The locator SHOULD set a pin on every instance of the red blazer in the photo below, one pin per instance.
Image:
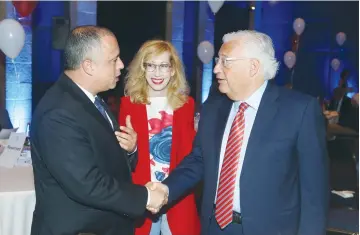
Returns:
(182, 217)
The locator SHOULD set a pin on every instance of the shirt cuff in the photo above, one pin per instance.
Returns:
(148, 197)
(133, 151)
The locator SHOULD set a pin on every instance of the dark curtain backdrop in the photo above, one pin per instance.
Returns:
(133, 23)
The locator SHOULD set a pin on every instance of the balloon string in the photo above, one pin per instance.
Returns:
(16, 73)
(293, 69)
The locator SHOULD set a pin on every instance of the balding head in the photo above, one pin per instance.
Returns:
(83, 43)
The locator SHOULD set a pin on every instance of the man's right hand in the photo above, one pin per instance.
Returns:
(158, 194)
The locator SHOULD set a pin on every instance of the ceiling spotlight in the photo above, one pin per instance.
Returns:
(253, 8)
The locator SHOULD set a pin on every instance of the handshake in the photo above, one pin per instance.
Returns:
(158, 196)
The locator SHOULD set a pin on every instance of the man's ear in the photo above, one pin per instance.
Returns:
(254, 67)
(87, 66)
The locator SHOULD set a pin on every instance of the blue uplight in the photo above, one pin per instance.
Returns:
(19, 76)
(208, 68)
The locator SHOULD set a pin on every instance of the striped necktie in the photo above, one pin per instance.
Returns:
(229, 168)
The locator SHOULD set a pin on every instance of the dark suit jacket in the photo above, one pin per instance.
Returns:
(348, 114)
(5, 122)
(284, 179)
(82, 176)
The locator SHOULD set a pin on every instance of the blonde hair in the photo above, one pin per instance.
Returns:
(136, 86)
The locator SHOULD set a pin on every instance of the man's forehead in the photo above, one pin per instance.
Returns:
(230, 47)
(111, 46)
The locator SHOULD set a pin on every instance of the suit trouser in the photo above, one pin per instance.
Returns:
(231, 229)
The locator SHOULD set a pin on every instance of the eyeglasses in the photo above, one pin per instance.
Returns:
(226, 61)
(163, 68)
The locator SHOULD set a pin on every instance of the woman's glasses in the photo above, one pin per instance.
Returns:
(163, 68)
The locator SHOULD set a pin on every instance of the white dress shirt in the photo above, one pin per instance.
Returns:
(250, 113)
(92, 98)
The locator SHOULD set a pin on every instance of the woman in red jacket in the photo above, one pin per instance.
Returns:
(162, 114)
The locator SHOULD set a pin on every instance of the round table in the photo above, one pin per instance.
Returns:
(17, 200)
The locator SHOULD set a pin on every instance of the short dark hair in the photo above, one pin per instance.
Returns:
(81, 41)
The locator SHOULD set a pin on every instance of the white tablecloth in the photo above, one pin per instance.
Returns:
(17, 200)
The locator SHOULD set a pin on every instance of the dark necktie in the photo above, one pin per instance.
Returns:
(100, 105)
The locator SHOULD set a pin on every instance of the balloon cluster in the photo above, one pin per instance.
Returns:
(12, 33)
(340, 39)
(290, 56)
(205, 50)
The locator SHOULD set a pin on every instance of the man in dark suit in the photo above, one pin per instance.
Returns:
(348, 113)
(260, 150)
(81, 170)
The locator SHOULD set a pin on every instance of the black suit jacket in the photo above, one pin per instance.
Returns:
(348, 114)
(82, 176)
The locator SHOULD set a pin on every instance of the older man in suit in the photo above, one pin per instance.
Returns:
(260, 150)
(82, 171)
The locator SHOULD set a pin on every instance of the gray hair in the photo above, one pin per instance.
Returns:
(81, 44)
(259, 46)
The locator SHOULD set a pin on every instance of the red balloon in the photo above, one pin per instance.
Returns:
(24, 8)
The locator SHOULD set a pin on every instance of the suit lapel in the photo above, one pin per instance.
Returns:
(221, 120)
(264, 118)
(111, 116)
(79, 95)
(223, 110)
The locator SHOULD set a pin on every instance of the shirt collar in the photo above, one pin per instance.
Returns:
(87, 93)
(254, 100)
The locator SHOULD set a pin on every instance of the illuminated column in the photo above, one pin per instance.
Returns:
(175, 24)
(206, 33)
(18, 76)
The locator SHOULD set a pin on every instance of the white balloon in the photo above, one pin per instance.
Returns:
(272, 2)
(205, 51)
(290, 59)
(215, 5)
(299, 26)
(340, 38)
(12, 37)
(335, 64)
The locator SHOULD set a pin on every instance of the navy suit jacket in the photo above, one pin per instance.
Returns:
(284, 187)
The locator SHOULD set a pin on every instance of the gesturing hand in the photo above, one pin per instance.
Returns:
(127, 137)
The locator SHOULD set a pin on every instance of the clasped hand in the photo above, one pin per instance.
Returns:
(158, 196)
